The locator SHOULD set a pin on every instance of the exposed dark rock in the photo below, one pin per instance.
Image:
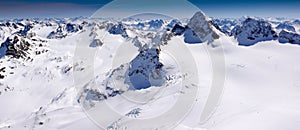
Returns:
(96, 43)
(252, 31)
(145, 69)
(118, 29)
(178, 29)
(199, 29)
(289, 37)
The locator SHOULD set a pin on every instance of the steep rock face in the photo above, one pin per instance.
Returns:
(178, 29)
(3, 48)
(15, 46)
(203, 28)
(289, 37)
(16, 38)
(73, 27)
(191, 37)
(118, 29)
(19, 46)
(145, 69)
(198, 30)
(252, 31)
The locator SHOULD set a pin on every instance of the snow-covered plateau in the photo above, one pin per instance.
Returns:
(54, 73)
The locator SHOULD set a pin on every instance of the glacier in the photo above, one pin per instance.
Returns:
(37, 69)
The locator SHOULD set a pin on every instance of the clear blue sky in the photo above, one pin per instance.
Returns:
(213, 8)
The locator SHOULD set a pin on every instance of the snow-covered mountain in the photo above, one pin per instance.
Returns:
(249, 31)
(39, 60)
(252, 31)
(225, 25)
(289, 37)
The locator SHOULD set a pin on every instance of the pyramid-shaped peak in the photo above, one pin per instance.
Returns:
(199, 14)
(202, 26)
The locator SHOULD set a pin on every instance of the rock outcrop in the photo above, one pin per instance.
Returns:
(198, 30)
(289, 37)
(252, 31)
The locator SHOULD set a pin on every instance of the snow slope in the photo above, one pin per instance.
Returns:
(261, 89)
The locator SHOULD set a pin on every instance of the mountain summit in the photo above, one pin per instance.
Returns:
(202, 26)
(199, 29)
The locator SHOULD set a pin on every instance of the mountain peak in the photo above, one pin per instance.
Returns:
(202, 26)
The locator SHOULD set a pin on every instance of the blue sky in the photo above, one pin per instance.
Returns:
(213, 8)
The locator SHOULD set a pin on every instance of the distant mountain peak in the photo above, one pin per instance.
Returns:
(202, 26)
(198, 30)
(254, 30)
